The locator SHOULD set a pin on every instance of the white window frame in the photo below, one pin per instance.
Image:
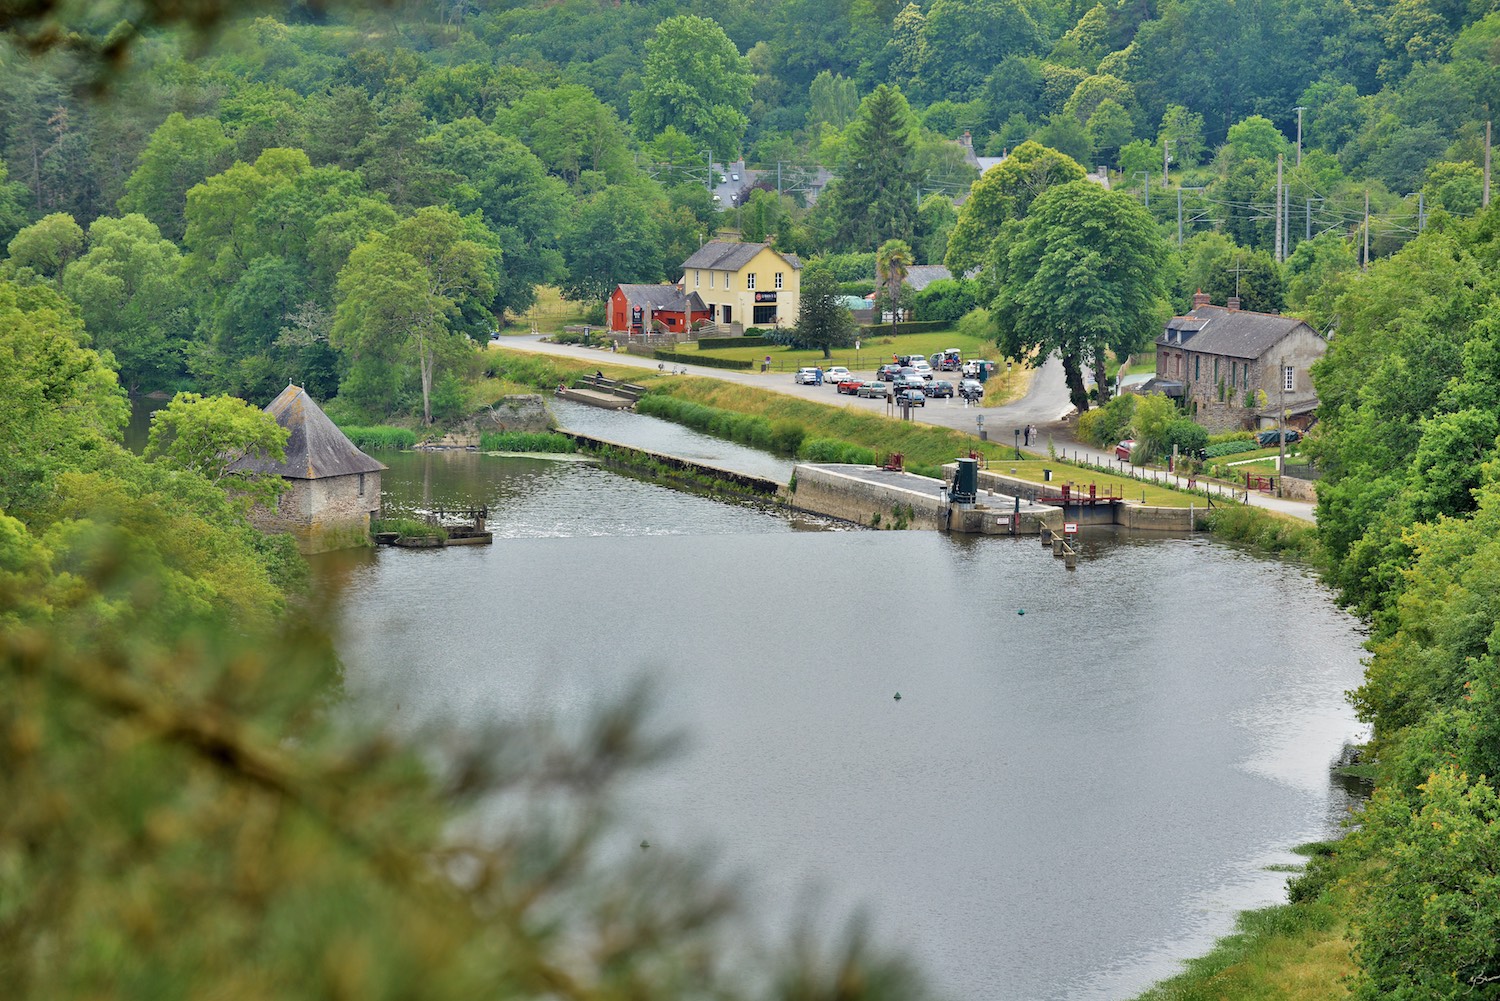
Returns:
(727, 276)
(697, 277)
(1288, 378)
(710, 279)
(750, 281)
(778, 279)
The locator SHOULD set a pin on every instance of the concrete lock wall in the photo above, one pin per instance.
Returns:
(839, 495)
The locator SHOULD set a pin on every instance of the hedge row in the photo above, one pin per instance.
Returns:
(702, 359)
(522, 441)
(754, 430)
(1224, 448)
(907, 327)
(747, 341)
(372, 439)
(833, 450)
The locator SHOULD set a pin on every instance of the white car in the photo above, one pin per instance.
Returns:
(837, 374)
(806, 377)
(923, 368)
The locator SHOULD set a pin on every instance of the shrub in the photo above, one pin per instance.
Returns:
(521, 441)
(786, 436)
(371, 439)
(976, 323)
(1233, 447)
(947, 300)
(833, 450)
(409, 528)
(702, 359)
(1108, 424)
(1187, 435)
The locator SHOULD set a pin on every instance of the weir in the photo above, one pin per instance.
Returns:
(743, 482)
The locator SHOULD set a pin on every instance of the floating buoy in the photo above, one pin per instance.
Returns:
(1020, 611)
(898, 696)
(645, 845)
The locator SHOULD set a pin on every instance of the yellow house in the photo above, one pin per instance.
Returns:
(748, 284)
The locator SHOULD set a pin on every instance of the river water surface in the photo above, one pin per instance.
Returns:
(1063, 804)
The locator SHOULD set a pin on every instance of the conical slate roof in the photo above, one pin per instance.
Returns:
(316, 448)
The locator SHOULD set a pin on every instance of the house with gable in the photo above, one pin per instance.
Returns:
(1235, 369)
(333, 488)
(745, 284)
(633, 309)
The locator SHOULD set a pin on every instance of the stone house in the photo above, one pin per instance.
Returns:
(333, 489)
(748, 284)
(633, 309)
(1235, 369)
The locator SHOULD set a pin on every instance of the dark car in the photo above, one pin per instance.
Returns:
(903, 382)
(939, 389)
(1266, 439)
(887, 373)
(911, 398)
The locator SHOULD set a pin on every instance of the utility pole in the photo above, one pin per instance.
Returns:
(1166, 161)
(1486, 164)
(1421, 211)
(1281, 428)
(1146, 185)
(1279, 158)
(709, 156)
(1365, 266)
(1299, 109)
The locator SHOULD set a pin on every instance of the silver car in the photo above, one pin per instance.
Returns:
(870, 390)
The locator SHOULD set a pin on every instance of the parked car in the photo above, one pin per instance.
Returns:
(915, 382)
(1125, 448)
(922, 368)
(971, 389)
(734, 176)
(850, 386)
(911, 398)
(807, 377)
(1268, 438)
(870, 390)
(886, 373)
(939, 388)
(837, 374)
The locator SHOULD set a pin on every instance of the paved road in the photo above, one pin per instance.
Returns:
(1046, 404)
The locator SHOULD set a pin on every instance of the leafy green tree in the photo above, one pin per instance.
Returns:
(132, 299)
(874, 197)
(936, 218)
(571, 131)
(401, 297)
(1427, 918)
(1086, 42)
(963, 38)
(760, 216)
(695, 79)
(1108, 128)
(1014, 87)
(526, 210)
(1085, 275)
(823, 321)
(1182, 131)
(947, 300)
(1094, 91)
(62, 402)
(1454, 187)
(677, 159)
(182, 153)
(614, 238)
(834, 100)
(46, 246)
(1005, 192)
(1066, 134)
(1254, 138)
(1318, 272)
(13, 198)
(1253, 276)
(211, 435)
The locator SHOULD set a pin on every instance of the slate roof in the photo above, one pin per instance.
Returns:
(667, 298)
(1232, 333)
(721, 255)
(316, 448)
(919, 276)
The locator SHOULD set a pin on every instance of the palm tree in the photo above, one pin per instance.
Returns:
(891, 263)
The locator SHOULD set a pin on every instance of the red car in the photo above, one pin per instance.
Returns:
(850, 386)
(1125, 448)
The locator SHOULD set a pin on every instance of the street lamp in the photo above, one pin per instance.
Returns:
(1018, 441)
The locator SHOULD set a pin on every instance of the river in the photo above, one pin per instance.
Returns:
(1062, 805)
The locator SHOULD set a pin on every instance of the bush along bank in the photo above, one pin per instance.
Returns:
(521, 441)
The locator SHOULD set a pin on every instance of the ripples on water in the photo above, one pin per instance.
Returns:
(1063, 804)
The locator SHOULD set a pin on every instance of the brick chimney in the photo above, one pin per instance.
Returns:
(967, 139)
(1233, 303)
(1201, 298)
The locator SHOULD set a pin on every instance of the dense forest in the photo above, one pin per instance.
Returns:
(351, 198)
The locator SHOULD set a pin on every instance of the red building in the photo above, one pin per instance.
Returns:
(634, 308)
